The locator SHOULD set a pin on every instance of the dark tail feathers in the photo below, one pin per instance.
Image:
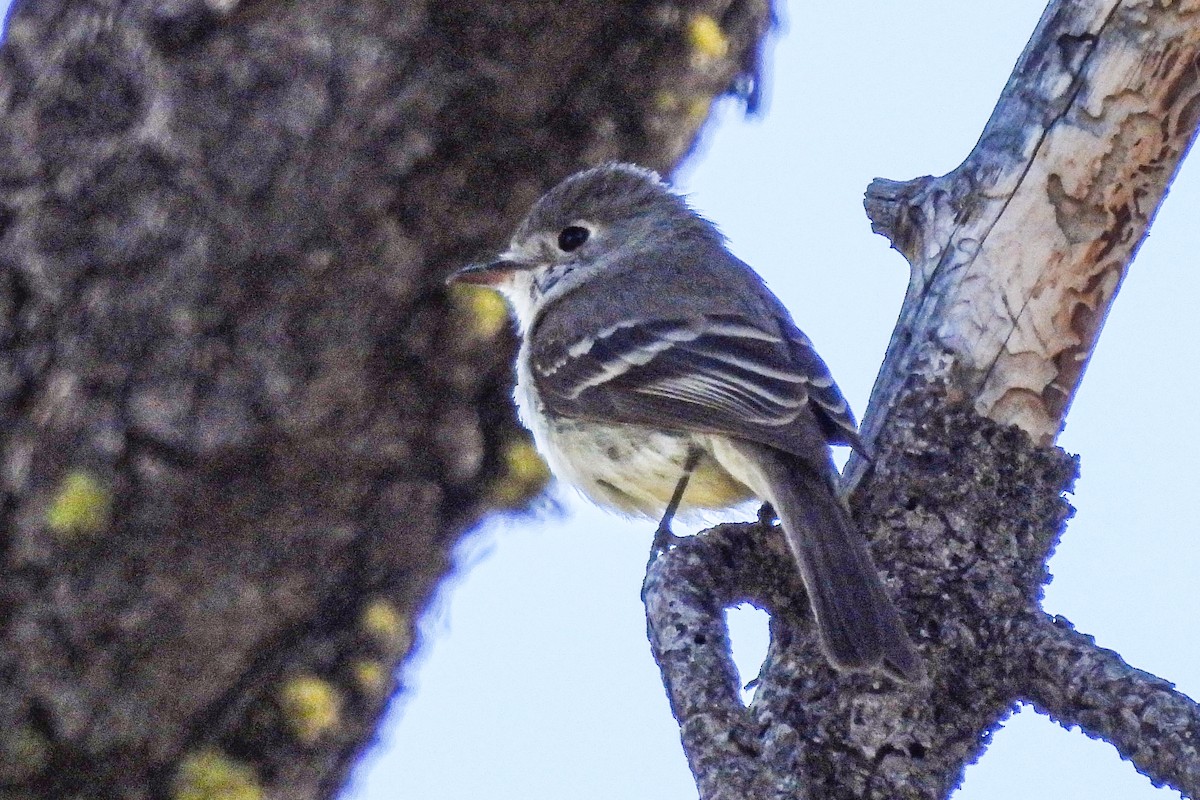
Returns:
(860, 628)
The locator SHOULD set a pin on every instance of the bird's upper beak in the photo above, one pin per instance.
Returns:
(486, 274)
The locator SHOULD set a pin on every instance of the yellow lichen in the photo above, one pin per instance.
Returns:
(80, 506)
(525, 475)
(482, 309)
(707, 40)
(210, 775)
(312, 707)
(698, 108)
(666, 101)
(371, 677)
(384, 623)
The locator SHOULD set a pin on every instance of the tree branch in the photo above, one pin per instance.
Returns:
(1016, 257)
(963, 513)
(1017, 254)
(1069, 678)
(685, 597)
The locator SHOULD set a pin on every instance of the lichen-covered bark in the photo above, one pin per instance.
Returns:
(1016, 256)
(1143, 716)
(964, 513)
(242, 421)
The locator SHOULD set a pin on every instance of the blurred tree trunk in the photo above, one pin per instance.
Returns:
(243, 423)
(1016, 257)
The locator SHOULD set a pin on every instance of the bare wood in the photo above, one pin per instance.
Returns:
(1017, 254)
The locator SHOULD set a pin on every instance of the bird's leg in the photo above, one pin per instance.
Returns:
(663, 538)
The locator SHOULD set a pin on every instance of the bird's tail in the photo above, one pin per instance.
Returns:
(860, 628)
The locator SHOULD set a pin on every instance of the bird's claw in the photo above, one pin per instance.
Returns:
(664, 540)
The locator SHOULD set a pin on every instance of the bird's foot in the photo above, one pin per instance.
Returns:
(664, 540)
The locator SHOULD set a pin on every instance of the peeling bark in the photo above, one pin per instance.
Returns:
(1018, 253)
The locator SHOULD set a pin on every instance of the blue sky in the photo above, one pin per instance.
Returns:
(535, 679)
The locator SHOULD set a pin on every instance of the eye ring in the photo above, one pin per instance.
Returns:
(572, 237)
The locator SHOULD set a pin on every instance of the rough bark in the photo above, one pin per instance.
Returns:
(1016, 257)
(242, 421)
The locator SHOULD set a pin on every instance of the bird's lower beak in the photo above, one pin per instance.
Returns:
(488, 274)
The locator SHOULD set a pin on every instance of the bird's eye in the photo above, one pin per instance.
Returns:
(571, 237)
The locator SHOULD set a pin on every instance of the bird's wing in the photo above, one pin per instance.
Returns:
(716, 373)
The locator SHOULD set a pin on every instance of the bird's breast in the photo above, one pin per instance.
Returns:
(628, 468)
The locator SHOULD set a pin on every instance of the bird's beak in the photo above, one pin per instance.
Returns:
(487, 274)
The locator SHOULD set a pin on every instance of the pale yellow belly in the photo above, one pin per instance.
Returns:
(635, 470)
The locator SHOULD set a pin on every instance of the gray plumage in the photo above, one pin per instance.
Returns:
(648, 338)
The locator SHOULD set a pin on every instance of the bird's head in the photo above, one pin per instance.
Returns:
(581, 227)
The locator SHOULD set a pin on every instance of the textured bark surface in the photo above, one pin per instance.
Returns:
(964, 513)
(243, 423)
(1016, 257)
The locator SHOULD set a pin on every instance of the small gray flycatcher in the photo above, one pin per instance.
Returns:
(657, 370)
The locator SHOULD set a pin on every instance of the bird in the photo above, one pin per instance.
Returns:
(657, 371)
